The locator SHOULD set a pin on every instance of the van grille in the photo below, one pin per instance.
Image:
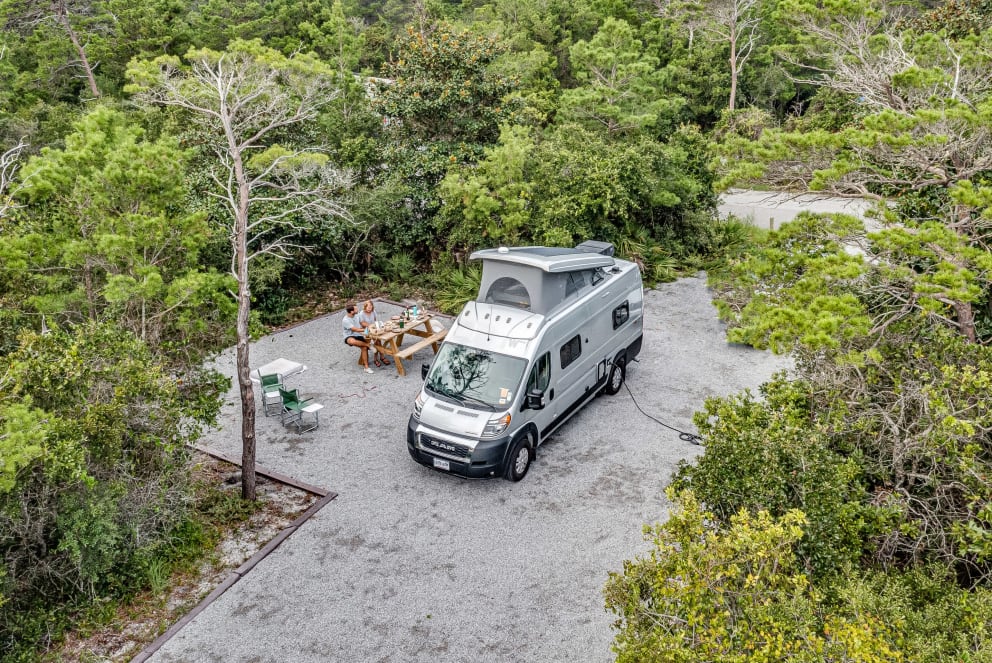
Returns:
(444, 447)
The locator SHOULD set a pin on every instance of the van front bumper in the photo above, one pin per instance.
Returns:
(433, 449)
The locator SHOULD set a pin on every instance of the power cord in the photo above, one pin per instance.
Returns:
(684, 436)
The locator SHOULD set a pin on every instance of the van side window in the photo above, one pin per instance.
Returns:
(621, 314)
(570, 351)
(574, 283)
(598, 275)
(540, 375)
(510, 292)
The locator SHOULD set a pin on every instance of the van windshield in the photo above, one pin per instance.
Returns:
(470, 376)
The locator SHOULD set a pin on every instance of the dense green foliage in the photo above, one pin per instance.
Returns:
(859, 486)
(460, 126)
(105, 235)
(734, 589)
(94, 477)
(735, 593)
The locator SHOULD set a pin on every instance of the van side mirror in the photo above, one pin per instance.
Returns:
(535, 400)
(423, 370)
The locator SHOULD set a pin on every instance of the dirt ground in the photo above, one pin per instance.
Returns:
(138, 623)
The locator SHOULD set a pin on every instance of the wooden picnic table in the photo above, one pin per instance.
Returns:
(389, 339)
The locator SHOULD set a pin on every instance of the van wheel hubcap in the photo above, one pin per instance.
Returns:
(520, 463)
(617, 377)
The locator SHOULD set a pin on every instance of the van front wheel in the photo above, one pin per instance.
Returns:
(521, 455)
(617, 374)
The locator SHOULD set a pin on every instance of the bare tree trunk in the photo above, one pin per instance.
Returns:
(422, 14)
(733, 71)
(63, 14)
(90, 290)
(244, 309)
(964, 311)
(244, 376)
(245, 386)
(966, 320)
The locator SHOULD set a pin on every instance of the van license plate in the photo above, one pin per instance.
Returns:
(442, 464)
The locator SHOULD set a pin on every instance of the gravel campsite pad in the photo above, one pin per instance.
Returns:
(409, 564)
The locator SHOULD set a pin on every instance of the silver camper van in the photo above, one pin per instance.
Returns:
(550, 329)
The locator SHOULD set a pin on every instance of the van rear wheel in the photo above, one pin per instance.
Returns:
(617, 375)
(520, 458)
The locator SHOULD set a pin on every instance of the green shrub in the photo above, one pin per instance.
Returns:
(399, 267)
(772, 455)
(656, 263)
(729, 239)
(457, 285)
(84, 519)
(274, 305)
(799, 288)
(734, 591)
(939, 621)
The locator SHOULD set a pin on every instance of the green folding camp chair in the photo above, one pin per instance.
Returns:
(292, 406)
(271, 384)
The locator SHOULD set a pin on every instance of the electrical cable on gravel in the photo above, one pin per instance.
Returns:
(684, 436)
(364, 394)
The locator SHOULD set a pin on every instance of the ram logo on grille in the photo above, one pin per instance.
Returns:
(442, 445)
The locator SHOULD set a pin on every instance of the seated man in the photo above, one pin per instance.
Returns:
(355, 335)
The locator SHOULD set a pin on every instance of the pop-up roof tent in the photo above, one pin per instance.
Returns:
(540, 279)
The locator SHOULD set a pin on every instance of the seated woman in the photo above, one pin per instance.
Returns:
(367, 318)
(354, 334)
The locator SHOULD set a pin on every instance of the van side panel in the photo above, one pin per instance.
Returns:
(601, 343)
(571, 344)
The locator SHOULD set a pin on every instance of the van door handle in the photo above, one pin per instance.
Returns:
(552, 394)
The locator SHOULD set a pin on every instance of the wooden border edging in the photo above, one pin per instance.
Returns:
(325, 497)
(269, 474)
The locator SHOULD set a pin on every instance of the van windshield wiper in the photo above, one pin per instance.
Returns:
(458, 397)
(444, 391)
(473, 399)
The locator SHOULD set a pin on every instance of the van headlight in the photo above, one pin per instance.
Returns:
(418, 406)
(496, 425)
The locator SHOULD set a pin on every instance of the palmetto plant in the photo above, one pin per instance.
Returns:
(637, 245)
(457, 286)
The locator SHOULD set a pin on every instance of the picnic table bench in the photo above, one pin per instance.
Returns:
(389, 339)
